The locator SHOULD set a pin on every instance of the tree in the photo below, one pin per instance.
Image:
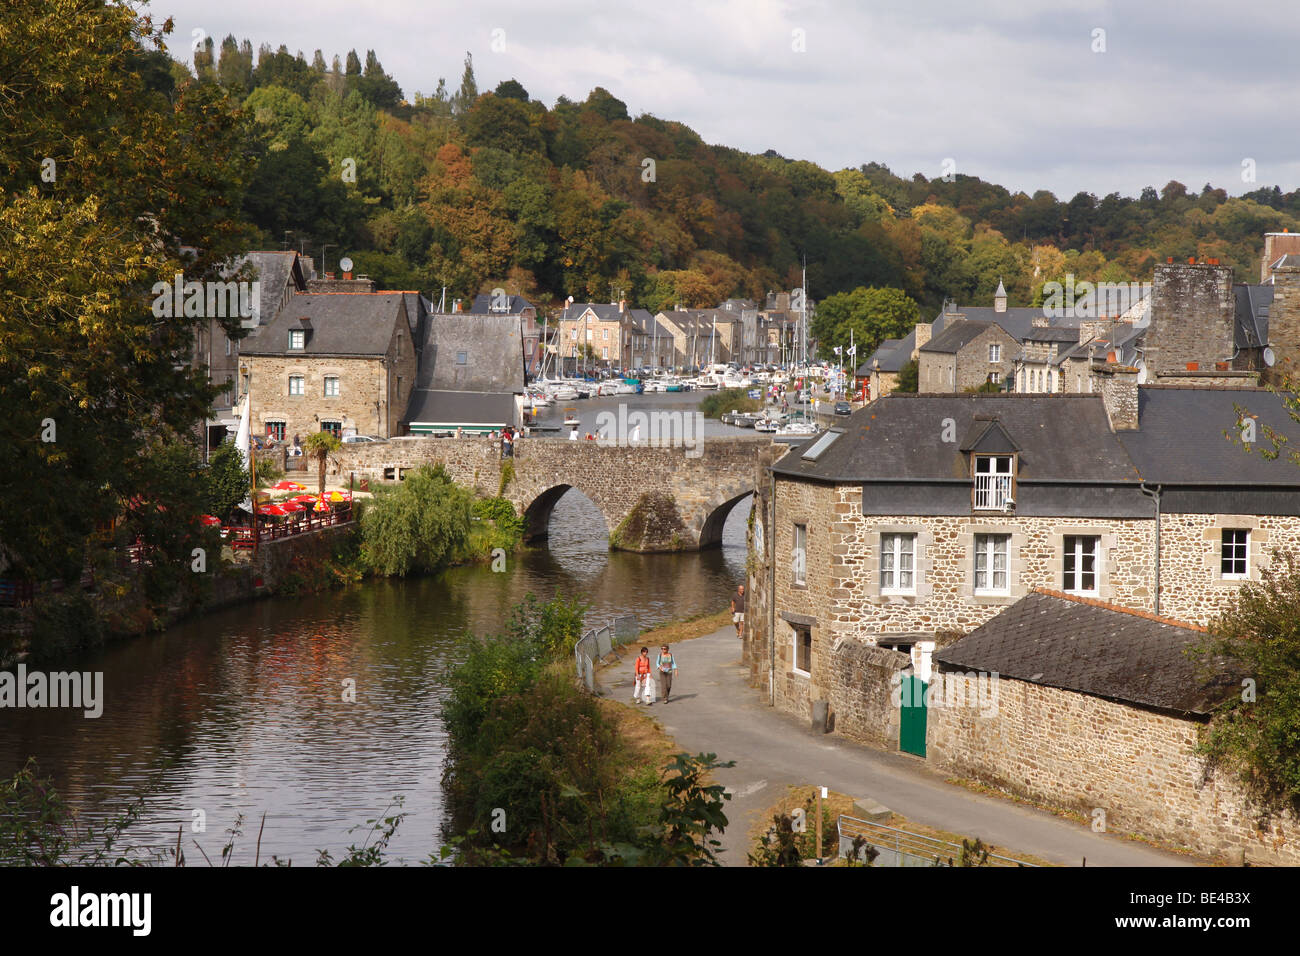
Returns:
(226, 480)
(511, 89)
(465, 96)
(320, 446)
(871, 315)
(88, 372)
(1255, 645)
(418, 526)
(908, 377)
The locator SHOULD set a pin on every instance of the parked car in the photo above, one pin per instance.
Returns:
(362, 439)
(843, 408)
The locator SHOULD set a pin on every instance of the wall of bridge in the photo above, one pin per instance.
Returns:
(700, 487)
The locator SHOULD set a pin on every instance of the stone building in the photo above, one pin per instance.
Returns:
(1097, 709)
(924, 516)
(500, 303)
(611, 333)
(338, 362)
(471, 375)
(966, 354)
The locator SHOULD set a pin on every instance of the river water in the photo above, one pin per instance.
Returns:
(242, 711)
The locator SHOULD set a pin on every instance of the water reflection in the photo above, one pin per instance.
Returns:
(244, 712)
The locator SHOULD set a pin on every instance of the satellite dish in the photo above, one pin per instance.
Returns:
(345, 264)
(1142, 372)
(1269, 357)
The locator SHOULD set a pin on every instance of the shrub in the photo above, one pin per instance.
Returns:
(726, 400)
(418, 526)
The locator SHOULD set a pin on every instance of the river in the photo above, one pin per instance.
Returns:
(242, 712)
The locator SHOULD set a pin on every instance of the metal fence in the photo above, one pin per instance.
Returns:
(599, 643)
(896, 847)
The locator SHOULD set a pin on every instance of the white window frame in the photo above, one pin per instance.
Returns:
(892, 569)
(297, 339)
(995, 353)
(799, 556)
(795, 631)
(335, 380)
(1071, 581)
(1245, 555)
(999, 485)
(986, 549)
(302, 385)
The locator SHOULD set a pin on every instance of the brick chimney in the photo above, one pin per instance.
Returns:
(1284, 324)
(1119, 393)
(1192, 308)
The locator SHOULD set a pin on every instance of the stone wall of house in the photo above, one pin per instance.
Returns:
(973, 365)
(1192, 586)
(704, 482)
(1192, 308)
(1086, 754)
(1284, 324)
(936, 372)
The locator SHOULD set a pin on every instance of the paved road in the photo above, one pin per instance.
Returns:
(718, 712)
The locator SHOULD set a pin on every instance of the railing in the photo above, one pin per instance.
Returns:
(598, 643)
(896, 847)
(242, 539)
(992, 492)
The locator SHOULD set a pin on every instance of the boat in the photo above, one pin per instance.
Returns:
(564, 392)
(608, 387)
(571, 418)
(798, 428)
(625, 388)
(674, 385)
(767, 427)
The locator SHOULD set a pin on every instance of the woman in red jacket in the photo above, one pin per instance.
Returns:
(643, 691)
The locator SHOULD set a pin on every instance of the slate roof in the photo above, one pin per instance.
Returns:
(1052, 333)
(956, 336)
(1081, 645)
(483, 305)
(1123, 340)
(1250, 316)
(1180, 438)
(1062, 438)
(436, 407)
(887, 347)
(1016, 321)
(894, 360)
(349, 324)
(273, 272)
(494, 353)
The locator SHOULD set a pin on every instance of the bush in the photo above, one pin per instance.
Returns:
(420, 525)
(728, 399)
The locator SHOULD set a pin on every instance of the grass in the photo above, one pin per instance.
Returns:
(684, 630)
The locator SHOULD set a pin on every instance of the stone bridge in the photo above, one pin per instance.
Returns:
(653, 498)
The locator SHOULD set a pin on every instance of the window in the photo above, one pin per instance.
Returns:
(802, 648)
(992, 482)
(1235, 553)
(605, 352)
(573, 335)
(297, 338)
(991, 564)
(334, 428)
(800, 558)
(821, 444)
(995, 378)
(606, 335)
(462, 358)
(227, 346)
(331, 386)
(399, 387)
(995, 353)
(275, 430)
(296, 385)
(898, 563)
(1080, 570)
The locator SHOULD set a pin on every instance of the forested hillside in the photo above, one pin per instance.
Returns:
(473, 190)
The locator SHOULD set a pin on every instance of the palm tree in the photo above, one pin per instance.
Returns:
(320, 446)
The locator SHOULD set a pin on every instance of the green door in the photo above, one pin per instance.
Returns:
(911, 723)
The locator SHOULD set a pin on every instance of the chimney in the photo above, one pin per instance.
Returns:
(622, 306)
(923, 332)
(1119, 393)
(347, 276)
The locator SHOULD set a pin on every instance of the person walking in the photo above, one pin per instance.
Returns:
(738, 610)
(667, 667)
(642, 689)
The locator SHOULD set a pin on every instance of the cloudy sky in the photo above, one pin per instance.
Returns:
(1066, 95)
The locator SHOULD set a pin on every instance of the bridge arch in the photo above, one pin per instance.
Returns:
(537, 513)
(716, 520)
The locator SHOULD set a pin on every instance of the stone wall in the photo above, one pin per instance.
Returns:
(1085, 754)
(1284, 324)
(973, 365)
(936, 372)
(1192, 308)
(704, 486)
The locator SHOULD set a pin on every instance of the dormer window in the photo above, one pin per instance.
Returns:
(297, 338)
(993, 478)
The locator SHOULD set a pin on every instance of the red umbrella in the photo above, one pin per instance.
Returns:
(303, 499)
(271, 510)
(322, 505)
(291, 506)
(288, 485)
(210, 520)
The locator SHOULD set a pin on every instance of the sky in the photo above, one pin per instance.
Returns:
(1067, 95)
